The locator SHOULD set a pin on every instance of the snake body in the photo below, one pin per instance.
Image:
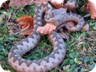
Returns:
(22, 65)
(60, 17)
(18, 50)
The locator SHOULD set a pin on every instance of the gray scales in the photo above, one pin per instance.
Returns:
(59, 49)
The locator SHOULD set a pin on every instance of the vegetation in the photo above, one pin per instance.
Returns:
(81, 46)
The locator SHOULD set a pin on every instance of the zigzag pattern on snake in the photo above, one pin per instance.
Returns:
(18, 50)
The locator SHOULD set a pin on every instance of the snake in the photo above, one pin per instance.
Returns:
(60, 17)
(47, 63)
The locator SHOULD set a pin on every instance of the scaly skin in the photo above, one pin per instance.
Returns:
(59, 50)
(18, 50)
(60, 17)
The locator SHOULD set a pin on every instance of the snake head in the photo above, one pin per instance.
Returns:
(55, 15)
(58, 11)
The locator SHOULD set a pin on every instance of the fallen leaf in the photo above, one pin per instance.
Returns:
(71, 5)
(58, 4)
(18, 3)
(86, 27)
(83, 49)
(84, 8)
(27, 25)
(92, 8)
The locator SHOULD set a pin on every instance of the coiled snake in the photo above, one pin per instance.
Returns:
(54, 59)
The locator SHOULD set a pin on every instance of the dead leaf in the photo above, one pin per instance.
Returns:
(27, 24)
(86, 27)
(92, 8)
(58, 4)
(83, 49)
(93, 34)
(19, 3)
(84, 8)
(71, 5)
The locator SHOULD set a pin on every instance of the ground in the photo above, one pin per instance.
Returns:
(81, 46)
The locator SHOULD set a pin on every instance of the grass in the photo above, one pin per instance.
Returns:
(81, 47)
